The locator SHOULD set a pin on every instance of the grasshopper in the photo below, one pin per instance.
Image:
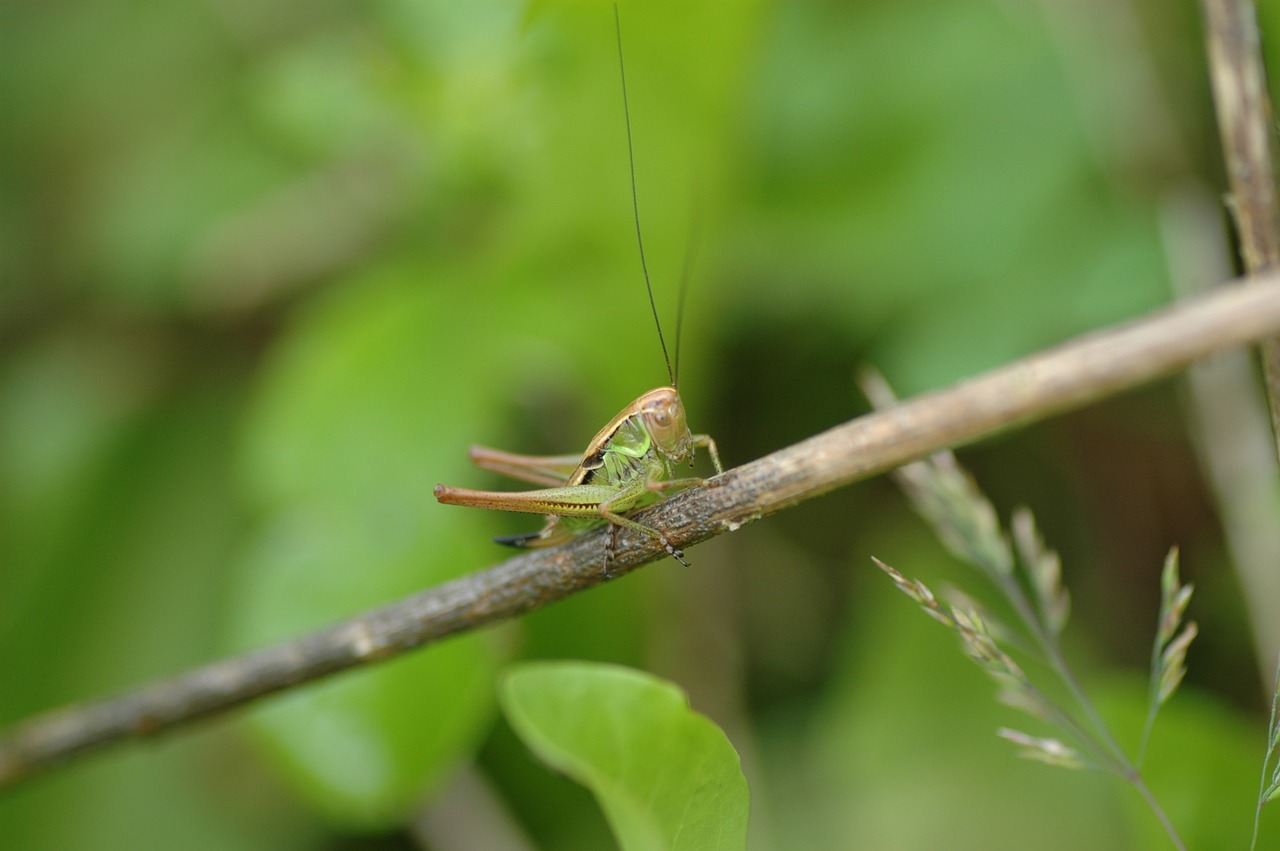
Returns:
(632, 462)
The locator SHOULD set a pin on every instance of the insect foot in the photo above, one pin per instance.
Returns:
(673, 551)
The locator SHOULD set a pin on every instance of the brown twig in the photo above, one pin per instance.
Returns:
(1070, 375)
(1245, 122)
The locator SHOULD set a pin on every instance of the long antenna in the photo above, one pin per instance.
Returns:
(635, 201)
(686, 272)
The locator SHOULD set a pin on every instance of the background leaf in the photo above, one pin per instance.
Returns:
(666, 776)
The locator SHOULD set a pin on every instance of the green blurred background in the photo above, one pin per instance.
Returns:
(267, 269)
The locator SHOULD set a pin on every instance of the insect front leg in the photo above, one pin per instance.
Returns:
(708, 443)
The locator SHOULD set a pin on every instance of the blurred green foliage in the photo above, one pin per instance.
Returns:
(266, 270)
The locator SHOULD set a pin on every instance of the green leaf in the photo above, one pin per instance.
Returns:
(666, 777)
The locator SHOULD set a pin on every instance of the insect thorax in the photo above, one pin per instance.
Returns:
(629, 456)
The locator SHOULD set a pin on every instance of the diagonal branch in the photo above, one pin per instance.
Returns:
(1070, 375)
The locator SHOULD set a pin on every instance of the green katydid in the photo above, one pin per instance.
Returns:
(632, 462)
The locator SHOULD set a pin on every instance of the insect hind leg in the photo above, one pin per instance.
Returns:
(617, 520)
